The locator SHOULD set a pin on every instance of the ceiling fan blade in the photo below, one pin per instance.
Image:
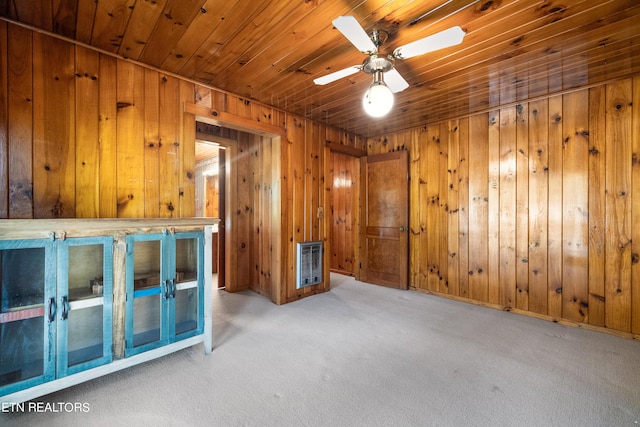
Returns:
(446, 38)
(337, 75)
(353, 31)
(395, 81)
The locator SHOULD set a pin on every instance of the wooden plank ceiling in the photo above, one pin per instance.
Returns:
(271, 50)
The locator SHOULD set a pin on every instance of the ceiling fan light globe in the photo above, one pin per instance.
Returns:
(377, 100)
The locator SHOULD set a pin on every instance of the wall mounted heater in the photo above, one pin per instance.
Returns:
(309, 264)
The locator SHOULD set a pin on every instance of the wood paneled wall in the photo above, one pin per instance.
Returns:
(533, 207)
(281, 184)
(85, 134)
(277, 185)
(88, 135)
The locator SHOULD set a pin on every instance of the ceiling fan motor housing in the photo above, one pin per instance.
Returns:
(377, 63)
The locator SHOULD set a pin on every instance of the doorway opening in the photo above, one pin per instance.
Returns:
(250, 222)
(210, 200)
(344, 200)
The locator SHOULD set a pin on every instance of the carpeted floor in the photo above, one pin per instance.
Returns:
(363, 355)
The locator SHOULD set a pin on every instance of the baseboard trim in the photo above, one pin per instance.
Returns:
(602, 329)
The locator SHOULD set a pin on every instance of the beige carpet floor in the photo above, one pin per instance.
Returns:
(363, 355)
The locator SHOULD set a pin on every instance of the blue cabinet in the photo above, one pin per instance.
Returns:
(82, 298)
(164, 289)
(55, 309)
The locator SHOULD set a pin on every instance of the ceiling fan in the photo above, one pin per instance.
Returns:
(378, 100)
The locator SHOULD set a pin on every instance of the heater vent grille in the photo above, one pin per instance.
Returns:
(309, 264)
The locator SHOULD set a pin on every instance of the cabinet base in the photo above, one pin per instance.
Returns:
(116, 365)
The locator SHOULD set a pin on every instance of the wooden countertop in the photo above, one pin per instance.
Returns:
(75, 227)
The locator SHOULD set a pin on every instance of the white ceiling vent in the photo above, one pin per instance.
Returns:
(309, 264)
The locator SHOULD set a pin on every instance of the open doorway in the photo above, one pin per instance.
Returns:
(344, 199)
(210, 200)
(250, 219)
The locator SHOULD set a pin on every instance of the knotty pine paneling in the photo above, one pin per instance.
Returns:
(433, 180)
(130, 149)
(597, 205)
(635, 209)
(107, 127)
(54, 139)
(263, 190)
(463, 207)
(295, 190)
(170, 115)
(244, 210)
(619, 158)
(88, 135)
(522, 207)
(493, 206)
(187, 141)
(87, 111)
(259, 227)
(20, 125)
(443, 207)
(253, 259)
(575, 208)
(276, 190)
(453, 184)
(540, 203)
(507, 210)
(152, 143)
(478, 206)
(416, 226)
(554, 232)
(86, 12)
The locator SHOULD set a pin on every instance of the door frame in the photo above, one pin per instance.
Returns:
(403, 227)
(230, 148)
(352, 205)
(232, 121)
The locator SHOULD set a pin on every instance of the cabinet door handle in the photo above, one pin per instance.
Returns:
(52, 310)
(64, 301)
(165, 290)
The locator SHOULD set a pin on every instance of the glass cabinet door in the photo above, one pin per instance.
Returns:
(85, 298)
(187, 303)
(27, 314)
(147, 291)
(165, 286)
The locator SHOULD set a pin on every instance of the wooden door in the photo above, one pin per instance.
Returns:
(384, 233)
